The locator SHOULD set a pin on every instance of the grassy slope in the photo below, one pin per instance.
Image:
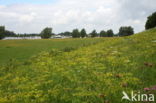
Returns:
(94, 74)
(24, 49)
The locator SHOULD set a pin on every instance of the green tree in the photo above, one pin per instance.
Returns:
(46, 33)
(151, 21)
(103, 34)
(94, 33)
(83, 33)
(126, 31)
(76, 34)
(67, 33)
(9, 33)
(110, 33)
(2, 32)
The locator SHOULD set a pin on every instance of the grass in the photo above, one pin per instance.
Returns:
(92, 74)
(24, 49)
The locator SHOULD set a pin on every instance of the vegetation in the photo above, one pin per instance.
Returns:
(126, 31)
(151, 21)
(2, 31)
(110, 33)
(26, 35)
(5, 33)
(94, 74)
(94, 34)
(67, 33)
(103, 34)
(46, 33)
(24, 49)
(83, 33)
(76, 33)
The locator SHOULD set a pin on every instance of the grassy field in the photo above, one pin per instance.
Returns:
(24, 49)
(93, 74)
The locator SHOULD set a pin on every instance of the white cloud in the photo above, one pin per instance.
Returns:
(69, 14)
(27, 18)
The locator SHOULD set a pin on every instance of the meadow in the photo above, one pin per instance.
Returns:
(25, 49)
(96, 73)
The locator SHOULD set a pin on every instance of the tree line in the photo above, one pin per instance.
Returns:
(47, 33)
(5, 33)
(76, 33)
(82, 33)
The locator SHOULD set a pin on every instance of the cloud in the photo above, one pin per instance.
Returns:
(66, 15)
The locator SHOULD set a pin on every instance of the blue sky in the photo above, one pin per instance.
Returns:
(8, 2)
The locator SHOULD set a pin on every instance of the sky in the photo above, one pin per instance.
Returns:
(32, 16)
(6, 2)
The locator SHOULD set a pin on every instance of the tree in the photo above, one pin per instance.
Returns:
(9, 33)
(110, 33)
(46, 33)
(75, 33)
(126, 31)
(151, 21)
(103, 34)
(2, 32)
(83, 33)
(94, 33)
(67, 33)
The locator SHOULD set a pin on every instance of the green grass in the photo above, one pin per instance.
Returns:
(24, 49)
(93, 74)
